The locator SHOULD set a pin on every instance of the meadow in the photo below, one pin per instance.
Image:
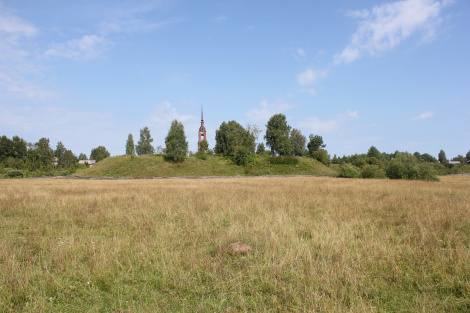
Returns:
(319, 245)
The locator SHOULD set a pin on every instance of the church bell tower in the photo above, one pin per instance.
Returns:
(202, 131)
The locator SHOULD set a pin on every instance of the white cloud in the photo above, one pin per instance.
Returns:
(423, 116)
(265, 110)
(385, 26)
(310, 76)
(316, 125)
(220, 18)
(87, 47)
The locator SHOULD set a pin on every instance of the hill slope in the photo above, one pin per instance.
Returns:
(156, 166)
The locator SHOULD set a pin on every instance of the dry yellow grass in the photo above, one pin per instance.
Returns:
(320, 245)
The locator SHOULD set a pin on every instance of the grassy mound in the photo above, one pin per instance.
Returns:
(156, 166)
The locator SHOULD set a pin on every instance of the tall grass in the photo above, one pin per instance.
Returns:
(320, 244)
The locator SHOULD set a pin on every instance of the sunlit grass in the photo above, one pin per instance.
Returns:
(320, 244)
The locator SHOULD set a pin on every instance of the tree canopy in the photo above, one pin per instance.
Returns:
(231, 135)
(100, 153)
(130, 147)
(175, 141)
(297, 141)
(315, 143)
(144, 145)
(277, 135)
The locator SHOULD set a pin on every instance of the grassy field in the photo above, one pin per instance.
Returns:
(155, 166)
(320, 245)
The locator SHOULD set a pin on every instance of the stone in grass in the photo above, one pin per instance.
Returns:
(236, 248)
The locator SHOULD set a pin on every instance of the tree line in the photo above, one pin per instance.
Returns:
(19, 158)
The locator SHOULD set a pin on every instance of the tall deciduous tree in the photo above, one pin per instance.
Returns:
(144, 145)
(203, 146)
(99, 153)
(373, 152)
(175, 141)
(59, 153)
(315, 143)
(82, 156)
(277, 135)
(68, 159)
(297, 141)
(130, 147)
(467, 156)
(231, 135)
(442, 157)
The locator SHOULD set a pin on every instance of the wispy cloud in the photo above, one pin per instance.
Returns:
(265, 110)
(423, 116)
(316, 125)
(387, 25)
(220, 18)
(87, 47)
(310, 77)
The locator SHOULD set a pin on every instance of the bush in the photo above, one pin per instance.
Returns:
(201, 155)
(288, 160)
(349, 171)
(406, 166)
(243, 156)
(322, 156)
(372, 171)
(12, 173)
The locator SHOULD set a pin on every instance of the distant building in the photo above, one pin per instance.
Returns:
(202, 131)
(87, 162)
(454, 162)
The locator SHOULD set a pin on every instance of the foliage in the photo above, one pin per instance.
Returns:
(130, 147)
(442, 157)
(372, 171)
(144, 145)
(315, 143)
(425, 157)
(203, 146)
(175, 141)
(467, 156)
(349, 171)
(39, 156)
(298, 142)
(231, 135)
(242, 156)
(277, 135)
(322, 156)
(260, 149)
(373, 152)
(407, 166)
(287, 160)
(100, 153)
(82, 156)
(202, 155)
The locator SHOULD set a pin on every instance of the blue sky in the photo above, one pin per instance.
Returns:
(395, 75)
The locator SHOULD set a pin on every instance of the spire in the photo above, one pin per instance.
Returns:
(202, 114)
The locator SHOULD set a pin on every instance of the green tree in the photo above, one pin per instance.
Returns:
(82, 156)
(373, 153)
(59, 153)
(175, 141)
(68, 159)
(277, 135)
(230, 135)
(144, 145)
(6, 148)
(130, 147)
(322, 156)
(39, 156)
(260, 149)
(468, 156)
(19, 147)
(203, 146)
(442, 157)
(100, 153)
(297, 141)
(426, 157)
(315, 143)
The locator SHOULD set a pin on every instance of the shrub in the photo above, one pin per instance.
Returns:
(349, 171)
(372, 171)
(12, 173)
(201, 155)
(288, 160)
(322, 156)
(242, 156)
(406, 166)
(426, 171)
